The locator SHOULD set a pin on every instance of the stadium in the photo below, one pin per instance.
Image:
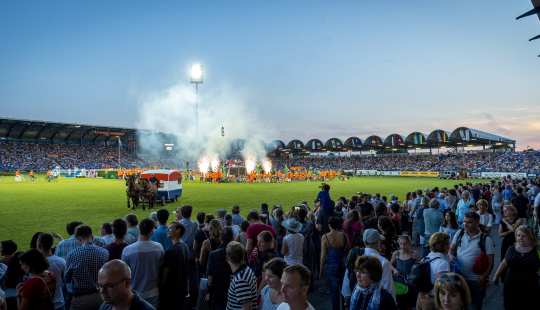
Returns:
(270, 156)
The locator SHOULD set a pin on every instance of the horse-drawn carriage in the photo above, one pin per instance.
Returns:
(153, 185)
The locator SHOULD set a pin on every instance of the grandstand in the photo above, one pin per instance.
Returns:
(41, 145)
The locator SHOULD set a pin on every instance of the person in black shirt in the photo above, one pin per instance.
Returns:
(173, 272)
(219, 273)
(521, 203)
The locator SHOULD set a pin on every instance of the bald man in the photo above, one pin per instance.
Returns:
(114, 283)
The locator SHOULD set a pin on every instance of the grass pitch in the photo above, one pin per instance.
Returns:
(28, 207)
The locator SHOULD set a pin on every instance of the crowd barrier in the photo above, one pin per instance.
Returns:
(493, 175)
(397, 173)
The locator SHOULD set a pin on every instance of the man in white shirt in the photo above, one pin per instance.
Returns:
(372, 240)
(295, 288)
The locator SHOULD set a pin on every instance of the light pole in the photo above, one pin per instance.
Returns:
(196, 78)
(119, 143)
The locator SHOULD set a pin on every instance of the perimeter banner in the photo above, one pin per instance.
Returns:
(419, 173)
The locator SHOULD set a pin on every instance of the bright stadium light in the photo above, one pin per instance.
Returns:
(196, 78)
(196, 73)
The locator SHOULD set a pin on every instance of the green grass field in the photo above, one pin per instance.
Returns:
(27, 207)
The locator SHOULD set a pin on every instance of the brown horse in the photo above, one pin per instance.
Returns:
(148, 192)
(133, 191)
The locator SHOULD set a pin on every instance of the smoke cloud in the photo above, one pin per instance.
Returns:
(168, 116)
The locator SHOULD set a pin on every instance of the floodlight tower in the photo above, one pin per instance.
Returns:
(196, 78)
(119, 145)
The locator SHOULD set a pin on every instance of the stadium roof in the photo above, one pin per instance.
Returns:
(60, 132)
(31, 130)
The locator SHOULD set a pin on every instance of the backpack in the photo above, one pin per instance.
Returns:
(420, 276)
(351, 260)
(481, 262)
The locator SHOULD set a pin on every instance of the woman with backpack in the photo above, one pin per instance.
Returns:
(37, 291)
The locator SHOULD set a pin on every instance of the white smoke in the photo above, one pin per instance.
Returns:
(172, 112)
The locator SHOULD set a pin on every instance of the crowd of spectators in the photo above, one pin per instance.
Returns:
(433, 250)
(528, 162)
(41, 157)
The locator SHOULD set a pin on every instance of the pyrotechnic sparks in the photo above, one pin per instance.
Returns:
(267, 166)
(204, 165)
(250, 165)
(214, 164)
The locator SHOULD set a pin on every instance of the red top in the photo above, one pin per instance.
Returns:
(38, 292)
(255, 229)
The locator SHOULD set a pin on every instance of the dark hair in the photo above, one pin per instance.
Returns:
(276, 265)
(387, 226)
(380, 209)
(119, 228)
(70, 227)
(325, 187)
(264, 207)
(235, 209)
(302, 214)
(132, 219)
(366, 210)
(146, 227)
(200, 217)
(107, 227)
(83, 231)
(266, 236)
(228, 220)
(45, 241)
(244, 226)
(227, 236)
(179, 226)
(162, 216)
(253, 216)
(235, 252)
(186, 211)
(395, 207)
(33, 241)
(472, 215)
(8, 247)
(35, 261)
(303, 271)
(453, 220)
(369, 265)
(335, 222)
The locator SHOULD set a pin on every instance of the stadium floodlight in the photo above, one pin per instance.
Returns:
(196, 78)
(196, 73)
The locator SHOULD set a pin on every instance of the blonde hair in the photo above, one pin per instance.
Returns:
(439, 241)
(526, 230)
(452, 282)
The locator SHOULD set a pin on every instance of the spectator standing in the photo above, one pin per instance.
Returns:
(119, 229)
(293, 242)
(57, 266)
(161, 234)
(334, 246)
(372, 240)
(449, 224)
(66, 246)
(295, 282)
(254, 229)
(190, 226)
(144, 257)
(474, 252)
(237, 219)
(433, 219)
(114, 283)
(174, 270)
(368, 293)
(133, 228)
(106, 234)
(521, 203)
(521, 264)
(463, 206)
(271, 295)
(82, 267)
(37, 291)
(242, 293)
(219, 273)
(451, 292)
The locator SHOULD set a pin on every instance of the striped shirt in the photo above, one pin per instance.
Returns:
(243, 289)
(66, 246)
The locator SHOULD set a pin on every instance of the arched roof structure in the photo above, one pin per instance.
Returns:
(373, 142)
(416, 139)
(334, 144)
(315, 145)
(394, 140)
(354, 144)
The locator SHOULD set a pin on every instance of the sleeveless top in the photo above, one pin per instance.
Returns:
(334, 262)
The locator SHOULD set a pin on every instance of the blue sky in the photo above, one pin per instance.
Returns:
(308, 68)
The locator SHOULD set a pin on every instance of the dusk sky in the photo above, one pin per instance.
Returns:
(307, 68)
